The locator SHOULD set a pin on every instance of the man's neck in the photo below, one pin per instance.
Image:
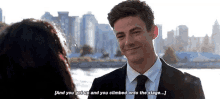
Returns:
(144, 64)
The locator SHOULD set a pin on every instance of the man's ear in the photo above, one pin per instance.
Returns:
(154, 31)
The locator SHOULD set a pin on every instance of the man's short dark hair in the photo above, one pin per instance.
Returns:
(132, 8)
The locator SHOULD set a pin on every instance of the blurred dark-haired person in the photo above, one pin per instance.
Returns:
(33, 62)
(133, 24)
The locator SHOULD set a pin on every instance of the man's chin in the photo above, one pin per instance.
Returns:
(136, 59)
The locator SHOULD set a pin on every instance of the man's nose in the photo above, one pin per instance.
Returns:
(129, 40)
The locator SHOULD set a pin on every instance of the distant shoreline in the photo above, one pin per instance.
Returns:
(200, 65)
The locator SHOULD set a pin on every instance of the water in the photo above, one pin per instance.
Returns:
(193, 65)
(83, 79)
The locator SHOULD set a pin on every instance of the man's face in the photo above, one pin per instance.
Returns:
(134, 40)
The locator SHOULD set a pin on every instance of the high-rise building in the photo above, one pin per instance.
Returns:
(89, 31)
(194, 44)
(69, 25)
(47, 16)
(170, 38)
(107, 40)
(158, 42)
(75, 32)
(182, 32)
(0, 15)
(215, 37)
(103, 30)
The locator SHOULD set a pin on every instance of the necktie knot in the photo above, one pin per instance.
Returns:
(141, 79)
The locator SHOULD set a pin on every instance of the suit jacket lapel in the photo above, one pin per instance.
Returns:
(169, 83)
(120, 81)
(163, 84)
(122, 78)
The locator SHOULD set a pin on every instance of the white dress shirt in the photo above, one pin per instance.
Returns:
(151, 84)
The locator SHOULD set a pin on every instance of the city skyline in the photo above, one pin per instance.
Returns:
(84, 31)
(180, 33)
(198, 16)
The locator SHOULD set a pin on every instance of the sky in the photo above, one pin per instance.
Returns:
(198, 15)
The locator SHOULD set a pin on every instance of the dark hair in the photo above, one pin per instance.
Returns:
(35, 63)
(132, 8)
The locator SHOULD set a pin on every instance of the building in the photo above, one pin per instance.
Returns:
(1, 18)
(107, 40)
(195, 43)
(170, 38)
(158, 42)
(75, 29)
(215, 37)
(89, 31)
(103, 30)
(69, 25)
(47, 16)
(182, 36)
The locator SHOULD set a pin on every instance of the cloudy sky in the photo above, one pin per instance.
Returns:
(198, 15)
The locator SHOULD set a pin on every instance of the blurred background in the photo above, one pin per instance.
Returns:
(189, 36)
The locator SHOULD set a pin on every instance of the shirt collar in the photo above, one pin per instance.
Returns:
(151, 73)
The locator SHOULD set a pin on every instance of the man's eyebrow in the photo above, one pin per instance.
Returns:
(135, 28)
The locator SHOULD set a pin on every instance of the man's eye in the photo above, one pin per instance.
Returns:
(137, 32)
(120, 36)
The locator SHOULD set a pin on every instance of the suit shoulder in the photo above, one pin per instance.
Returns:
(191, 79)
(188, 78)
(193, 87)
(111, 76)
(172, 71)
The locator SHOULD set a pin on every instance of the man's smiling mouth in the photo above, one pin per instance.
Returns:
(133, 48)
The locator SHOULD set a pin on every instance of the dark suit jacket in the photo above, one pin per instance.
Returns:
(176, 84)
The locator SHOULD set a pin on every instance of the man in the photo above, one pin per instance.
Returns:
(133, 24)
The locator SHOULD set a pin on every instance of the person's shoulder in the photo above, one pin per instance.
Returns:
(170, 70)
(193, 87)
(111, 76)
(190, 79)
(108, 80)
(189, 83)
(186, 77)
